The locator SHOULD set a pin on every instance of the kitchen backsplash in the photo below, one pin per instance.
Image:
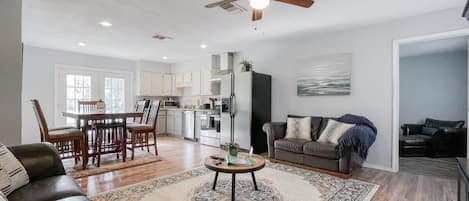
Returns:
(185, 101)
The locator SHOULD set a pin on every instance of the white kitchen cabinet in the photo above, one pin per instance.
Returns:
(175, 91)
(187, 77)
(145, 84)
(170, 122)
(178, 123)
(156, 84)
(167, 84)
(161, 124)
(179, 79)
(205, 83)
(195, 85)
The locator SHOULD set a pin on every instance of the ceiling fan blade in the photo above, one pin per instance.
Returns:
(256, 14)
(213, 5)
(301, 3)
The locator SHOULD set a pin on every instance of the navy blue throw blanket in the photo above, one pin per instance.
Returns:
(359, 138)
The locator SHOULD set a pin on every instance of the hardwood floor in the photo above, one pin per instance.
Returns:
(179, 155)
(438, 167)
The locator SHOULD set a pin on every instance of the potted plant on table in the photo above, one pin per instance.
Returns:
(233, 148)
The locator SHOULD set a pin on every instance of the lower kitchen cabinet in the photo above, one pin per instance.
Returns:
(161, 123)
(174, 122)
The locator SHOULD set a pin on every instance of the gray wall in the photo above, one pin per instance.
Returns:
(371, 47)
(10, 71)
(433, 86)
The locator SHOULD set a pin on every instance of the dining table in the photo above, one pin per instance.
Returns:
(82, 119)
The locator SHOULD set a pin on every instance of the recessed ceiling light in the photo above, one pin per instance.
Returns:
(81, 44)
(203, 46)
(105, 24)
(165, 58)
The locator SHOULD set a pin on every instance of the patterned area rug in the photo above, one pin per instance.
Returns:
(109, 163)
(276, 182)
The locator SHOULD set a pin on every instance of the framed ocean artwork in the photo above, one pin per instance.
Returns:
(328, 75)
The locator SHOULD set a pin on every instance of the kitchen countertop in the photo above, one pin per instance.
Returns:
(187, 109)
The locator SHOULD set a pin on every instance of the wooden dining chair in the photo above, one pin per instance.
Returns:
(139, 134)
(139, 107)
(68, 140)
(88, 106)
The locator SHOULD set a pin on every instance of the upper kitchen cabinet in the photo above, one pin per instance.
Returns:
(205, 83)
(144, 84)
(196, 85)
(174, 90)
(167, 84)
(154, 84)
(157, 84)
(183, 79)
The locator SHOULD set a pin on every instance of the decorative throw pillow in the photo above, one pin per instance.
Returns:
(429, 131)
(299, 128)
(3, 197)
(333, 131)
(12, 173)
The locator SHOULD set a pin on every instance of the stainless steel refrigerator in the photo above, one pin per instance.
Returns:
(246, 106)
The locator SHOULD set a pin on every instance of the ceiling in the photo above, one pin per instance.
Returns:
(61, 24)
(433, 47)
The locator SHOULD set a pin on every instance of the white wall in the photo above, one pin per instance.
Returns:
(10, 72)
(371, 47)
(433, 86)
(38, 80)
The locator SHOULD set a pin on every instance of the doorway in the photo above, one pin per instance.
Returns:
(430, 84)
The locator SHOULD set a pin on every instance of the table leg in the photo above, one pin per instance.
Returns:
(233, 184)
(215, 181)
(254, 181)
(85, 151)
(124, 143)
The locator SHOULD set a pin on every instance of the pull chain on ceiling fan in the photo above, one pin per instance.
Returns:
(259, 5)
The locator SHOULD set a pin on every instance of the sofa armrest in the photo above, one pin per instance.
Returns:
(274, 131)
(41, 160)
(410, 129)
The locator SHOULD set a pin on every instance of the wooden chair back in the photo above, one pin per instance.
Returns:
(41, 120)
(153, 114)
(87, 106)
(140, 107)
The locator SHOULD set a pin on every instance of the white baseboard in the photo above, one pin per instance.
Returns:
(378, 167)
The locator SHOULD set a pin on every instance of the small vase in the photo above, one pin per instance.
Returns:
(242, 68)
(233, 150)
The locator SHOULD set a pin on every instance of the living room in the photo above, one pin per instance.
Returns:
(47, 40)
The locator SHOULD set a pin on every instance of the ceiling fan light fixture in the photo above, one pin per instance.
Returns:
(259, 4)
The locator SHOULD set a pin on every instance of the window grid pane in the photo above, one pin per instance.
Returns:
(78, 87)
(114, 94)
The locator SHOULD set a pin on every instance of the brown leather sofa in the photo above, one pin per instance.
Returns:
(47, 177)
(310, 153)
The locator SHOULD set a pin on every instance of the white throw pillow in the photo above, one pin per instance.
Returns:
(299, 128)
(12, 173)
(333, 131)
(3, 197)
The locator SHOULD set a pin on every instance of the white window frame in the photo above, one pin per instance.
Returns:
(97, 81)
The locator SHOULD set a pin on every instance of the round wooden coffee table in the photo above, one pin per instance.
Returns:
(258, 163)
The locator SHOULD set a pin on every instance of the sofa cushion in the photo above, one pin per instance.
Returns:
(291, 145)
(315, 125)
(433, 123)
(51, 188)
(333, 131)
(323, 125)
(299, 128)
(415, 139)
(321, 150)
(429, 131)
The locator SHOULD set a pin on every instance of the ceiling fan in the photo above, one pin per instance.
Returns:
(259, 5)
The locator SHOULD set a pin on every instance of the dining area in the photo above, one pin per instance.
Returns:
(97, 131)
